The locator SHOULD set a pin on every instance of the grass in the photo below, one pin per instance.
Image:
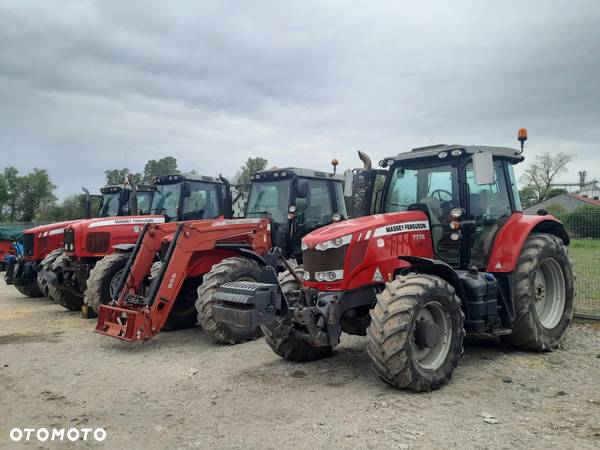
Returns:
(585, 254)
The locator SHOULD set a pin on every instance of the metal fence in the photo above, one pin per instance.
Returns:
(584, 228)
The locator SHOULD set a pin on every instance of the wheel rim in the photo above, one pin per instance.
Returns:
(114, 284)
(433, 358)
(549, 293)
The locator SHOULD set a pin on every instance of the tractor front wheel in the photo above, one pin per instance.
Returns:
(228, 270)
(543, 294)
(281, 335)
(30, 290)
(45, 267)
(104, 279)
(416, 332)
(64, 298)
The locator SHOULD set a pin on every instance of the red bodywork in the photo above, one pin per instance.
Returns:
(95, 238)
(196, 251)
(46, 238)
(376, 243)
(379, 241)
(6, 248)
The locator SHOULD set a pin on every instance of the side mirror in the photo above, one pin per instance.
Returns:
(301, 188)
(483, 167)
(186, 189)
(348, 183)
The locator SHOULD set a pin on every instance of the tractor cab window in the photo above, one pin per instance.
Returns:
(144, 200)
(203, 201)
(316, 209)
(434, 187)
(110, 205)
(270, 198)
(339, 198)
(166, 200)
(489, 206)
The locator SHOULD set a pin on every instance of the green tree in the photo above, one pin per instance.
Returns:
(252, 165)
(72, 207)
(3, 195)
(36, 193)
(12, 183)
(542, 172)
(163, 166)
(118, 176)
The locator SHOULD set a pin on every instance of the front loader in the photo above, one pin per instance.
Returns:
(283, 205)
(450, 253)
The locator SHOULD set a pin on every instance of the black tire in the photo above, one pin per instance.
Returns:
(64, 298)
(228, 270)
(528, 331)
(45, 267)
(392, 343)
(101, 276)
(30, 290)
(183, 314)
(281, 335)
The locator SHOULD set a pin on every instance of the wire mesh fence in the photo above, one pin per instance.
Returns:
(584, 228)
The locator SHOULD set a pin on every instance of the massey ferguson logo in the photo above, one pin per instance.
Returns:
(402, 228)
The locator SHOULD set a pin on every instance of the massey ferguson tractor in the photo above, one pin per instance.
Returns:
(42, 245)
(73, 282)
(175, 269)
(450, 253)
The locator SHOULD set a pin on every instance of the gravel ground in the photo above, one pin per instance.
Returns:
(180, 391)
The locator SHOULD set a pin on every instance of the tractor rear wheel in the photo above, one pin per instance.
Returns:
(543, 294)
(45, 267)
(30, 290)
(104, 279)
(228, 270)
(281, 335)
(63, 297)
(183, 314)
(416, 332)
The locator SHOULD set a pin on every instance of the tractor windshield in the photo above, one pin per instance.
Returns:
(271, 198)
(166, 200)
(110, 205)
(144, 200)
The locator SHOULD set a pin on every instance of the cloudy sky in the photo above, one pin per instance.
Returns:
(91, 85)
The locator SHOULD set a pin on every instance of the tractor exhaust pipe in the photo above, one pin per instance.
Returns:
(133, 205)
(87, 205)
(227, 201)
(367, 164)
(364, 184)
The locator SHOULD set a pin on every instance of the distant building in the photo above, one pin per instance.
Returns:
(568, 202)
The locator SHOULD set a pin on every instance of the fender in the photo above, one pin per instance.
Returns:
(510, 239)
(244, 251)
(438, 268)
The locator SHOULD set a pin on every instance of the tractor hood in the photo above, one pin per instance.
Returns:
(51, 228)
(363, 228)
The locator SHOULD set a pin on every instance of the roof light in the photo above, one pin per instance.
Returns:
(456, 213)
(275, 174)
(283, 174)
(456, 152)
(442, 155)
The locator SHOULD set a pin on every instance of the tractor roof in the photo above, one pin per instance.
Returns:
(178, 177)
(433, 151)
(289, 172)
(113, 188)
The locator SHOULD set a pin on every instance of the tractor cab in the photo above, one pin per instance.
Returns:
(467, 192)
(116, 200)
(297, 201)
(190, 196)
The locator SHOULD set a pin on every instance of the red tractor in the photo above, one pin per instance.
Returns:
(450, 253)
(175, 268)
(83, 275)
(42, 245)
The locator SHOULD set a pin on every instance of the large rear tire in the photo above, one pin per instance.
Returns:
(228, 270)
(103, 280)
(416, 332)
(64, 298)
(281, 335)
(543, 294)
(45, 267)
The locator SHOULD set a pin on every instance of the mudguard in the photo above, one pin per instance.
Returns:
(510, 239)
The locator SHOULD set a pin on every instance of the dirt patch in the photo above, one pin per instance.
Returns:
(26, 338)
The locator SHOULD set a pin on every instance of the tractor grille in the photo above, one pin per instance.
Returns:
(69, 240)
(97, 242)
(28, 244)
(321, 261)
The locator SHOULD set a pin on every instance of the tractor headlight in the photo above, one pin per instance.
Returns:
(329, 275)
(442, 155)
(306, 276)
(334, 243)
(456, 213)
